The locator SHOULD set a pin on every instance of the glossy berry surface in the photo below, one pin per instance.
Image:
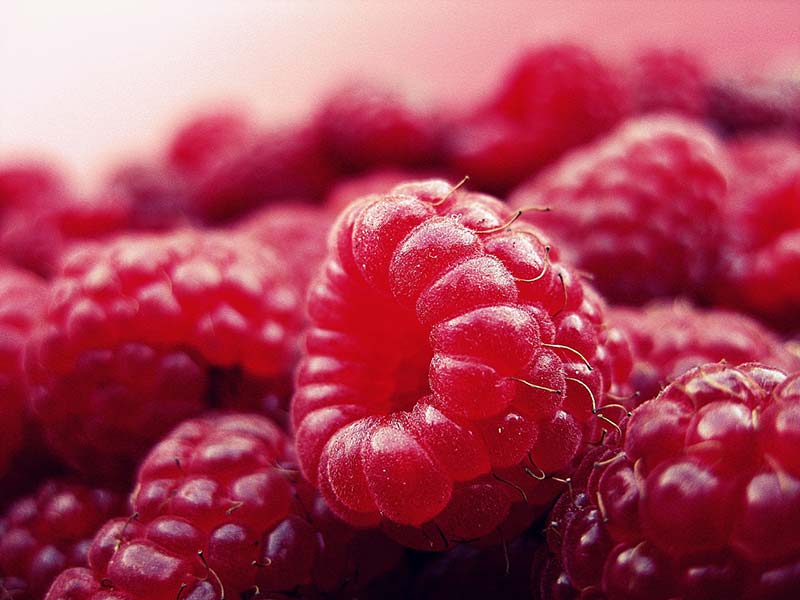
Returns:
(669, 338)
(445, 347)
(49, 531)
(146, 331)
(218, 513)
(639, 210)
(702, 499)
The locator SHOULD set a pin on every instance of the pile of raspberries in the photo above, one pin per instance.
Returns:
(545, 346)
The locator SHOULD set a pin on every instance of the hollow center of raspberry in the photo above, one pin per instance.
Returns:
(411, 376)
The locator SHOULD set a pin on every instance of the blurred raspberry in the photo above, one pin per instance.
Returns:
(276, 165)
(638, 210)
(364, 126)
(23, 299)
(155, 196)
(761, 249)
(298, 234)
(49, 531)
(669, 80)
(670, 338)
(145, 331)
(207, 139)
(701, 501)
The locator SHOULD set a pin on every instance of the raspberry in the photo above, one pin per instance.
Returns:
(564, 95)
(22, 302)
(669, 80)
(701, 501)
(207, 139)
(147, 330)
(25, 182)
(287, 163)
(497, 152)
(217, 511)
(380, 181)
(668, 339)
(762, 242)
(755, 105)
(296, 232)
(639, 210)
(444, 350)
(364, 126)
(48, 531)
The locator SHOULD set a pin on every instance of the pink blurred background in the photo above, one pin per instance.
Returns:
(88, 84)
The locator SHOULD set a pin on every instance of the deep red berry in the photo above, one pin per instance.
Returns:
(762, 231)
(364, 126)
(23, 183)
(49, 531)
(639, 210)
(755, 105)
(278, 165)
(22, 303)
(701, 501)
(298, 234)
(669, 80)
(219, 513)
(668, 339)
(445, 348)
(207, 139)
(145, 331)
(564, 95)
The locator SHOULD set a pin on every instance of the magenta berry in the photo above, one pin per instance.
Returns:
(702, 499)
(146, 331)
(444, 347)
(639, 210)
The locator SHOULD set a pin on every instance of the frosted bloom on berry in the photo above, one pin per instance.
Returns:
(446, 349)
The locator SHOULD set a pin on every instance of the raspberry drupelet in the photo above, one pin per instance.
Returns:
(447, 352)
(49, 531)
(640, 210)
(701, 500)
(219, 512)
(145, 331)
(669, 338)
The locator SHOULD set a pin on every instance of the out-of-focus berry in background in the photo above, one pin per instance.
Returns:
(89, 84)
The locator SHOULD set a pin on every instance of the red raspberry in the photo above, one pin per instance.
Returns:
(145, 331)
(49, 531)
(762, 222)
(218, 514)
(22, 303)
(564, 94)
(701, 501)
(668, 339)
(288, 163)
(495, 151)
(206, 139)
(639, 210)
(23, 183)
(429, 319)
(669, 80)
(755, 105)
(296, 232)
(364, 126)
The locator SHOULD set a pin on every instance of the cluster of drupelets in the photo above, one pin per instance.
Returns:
(322, 362)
